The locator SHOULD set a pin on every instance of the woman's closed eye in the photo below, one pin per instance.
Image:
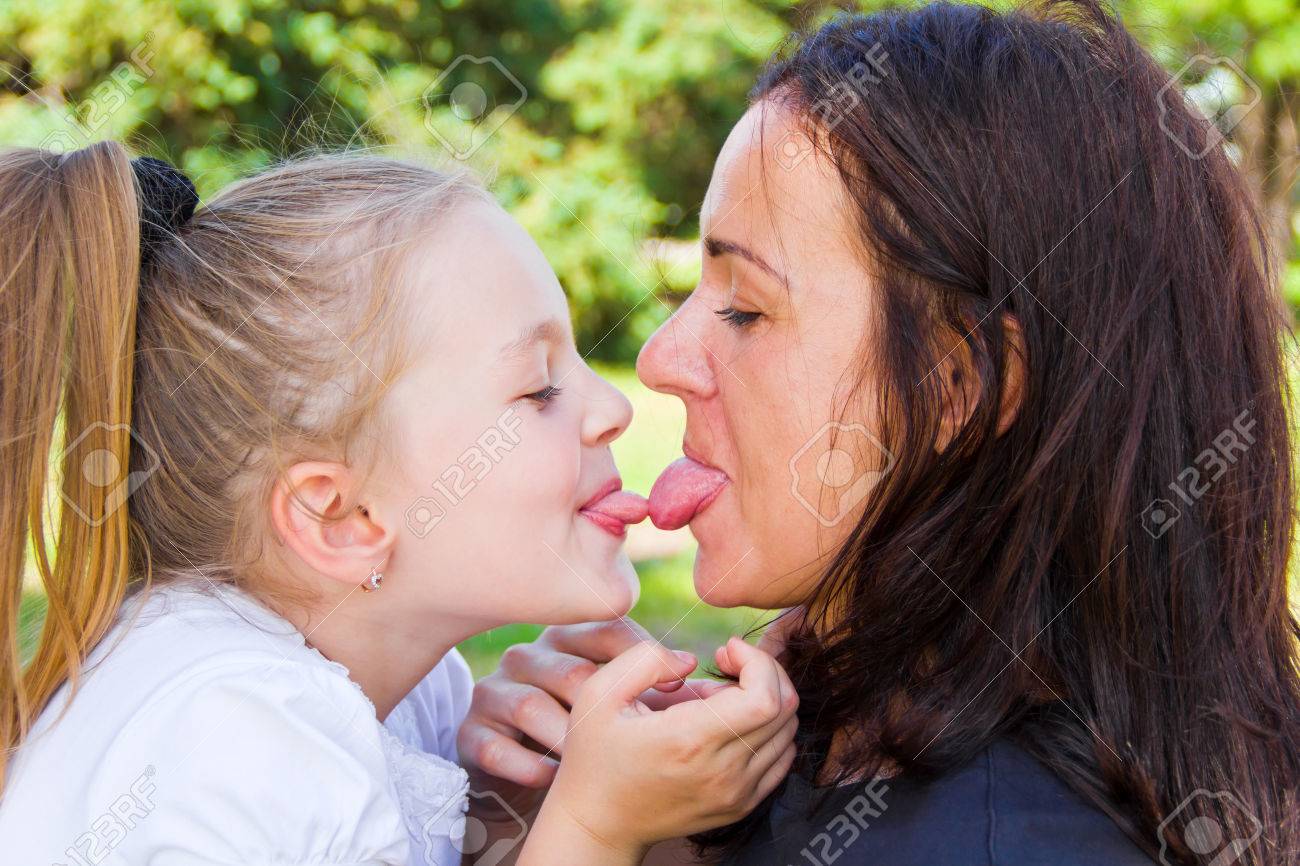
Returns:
(737, 318)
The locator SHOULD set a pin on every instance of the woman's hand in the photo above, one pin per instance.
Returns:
(633, 776)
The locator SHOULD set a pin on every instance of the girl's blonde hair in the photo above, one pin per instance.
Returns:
(166, 401)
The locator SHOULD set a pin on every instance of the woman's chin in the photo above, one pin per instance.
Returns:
(742, 579)
(719, 583)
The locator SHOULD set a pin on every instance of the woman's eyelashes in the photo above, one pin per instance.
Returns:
(737, 318)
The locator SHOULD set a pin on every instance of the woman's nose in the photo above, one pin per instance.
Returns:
(674, 360)
(608, 413)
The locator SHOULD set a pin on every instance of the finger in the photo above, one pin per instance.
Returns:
(510, 706)
(598, 641)
(762, 746)
(689, 690)
(768, 751)
(760, 698)
(690, 663)
(773, 776)
(729, 663)
(634, 671)
(556, 673)
(674, 685)
(498, 755)
(789, 695)
(723, 661)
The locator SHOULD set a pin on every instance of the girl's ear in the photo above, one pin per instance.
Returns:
(311, 514)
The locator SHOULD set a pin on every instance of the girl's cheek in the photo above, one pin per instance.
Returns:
(547, 463)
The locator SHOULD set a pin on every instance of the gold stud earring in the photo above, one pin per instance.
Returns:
(373, 581)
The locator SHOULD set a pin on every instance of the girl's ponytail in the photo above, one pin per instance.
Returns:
(69, 275)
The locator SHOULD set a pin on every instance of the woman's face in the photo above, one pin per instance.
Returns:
(502, 441)
(766, 354)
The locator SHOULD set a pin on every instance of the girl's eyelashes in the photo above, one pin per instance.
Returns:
(545, 395)
(737, 318)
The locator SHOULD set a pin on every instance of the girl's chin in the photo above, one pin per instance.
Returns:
(628, 583)
(611, 592)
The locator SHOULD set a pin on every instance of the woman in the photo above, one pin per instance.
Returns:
(985, 373)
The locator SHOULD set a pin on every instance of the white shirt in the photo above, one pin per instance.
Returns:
(206, 731)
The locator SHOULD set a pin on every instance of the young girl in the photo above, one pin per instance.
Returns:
(308, 438)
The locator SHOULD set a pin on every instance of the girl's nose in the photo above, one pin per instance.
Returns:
(608, 413)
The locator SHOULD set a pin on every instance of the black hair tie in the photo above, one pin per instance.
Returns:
(167, 201)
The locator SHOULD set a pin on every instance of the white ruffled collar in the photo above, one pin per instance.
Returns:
(432, 792)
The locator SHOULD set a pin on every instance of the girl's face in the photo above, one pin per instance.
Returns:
(766, 354)
(502, 436)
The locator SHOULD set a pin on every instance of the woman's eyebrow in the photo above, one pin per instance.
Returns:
(550, 331)
(718, 247)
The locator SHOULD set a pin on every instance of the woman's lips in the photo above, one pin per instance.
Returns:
(613, 509)
(683, 490)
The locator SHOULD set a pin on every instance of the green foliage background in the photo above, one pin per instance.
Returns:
(626, 104)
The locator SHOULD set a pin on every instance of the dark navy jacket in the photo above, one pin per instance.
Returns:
(1004, 808)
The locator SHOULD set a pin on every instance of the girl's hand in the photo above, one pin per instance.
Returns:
(632, 776)
(514, 732)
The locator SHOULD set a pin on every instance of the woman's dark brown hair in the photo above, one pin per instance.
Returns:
(1104, 581)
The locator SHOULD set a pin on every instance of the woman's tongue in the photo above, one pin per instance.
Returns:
(684, 489)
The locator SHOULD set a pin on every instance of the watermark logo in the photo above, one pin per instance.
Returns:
(109, 480)
(1159, 516)
(458, 480)
(841, 99)
(847, 826)
(846, 94)
(1195, 481)
(835, 470)
(468, 835)
(481, 95)
(793, 148)
(423, 515)
(105, 100)
(108, 830)
(1218, 90)
(1196, 824)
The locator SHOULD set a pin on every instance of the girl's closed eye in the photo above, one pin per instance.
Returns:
(545, 395)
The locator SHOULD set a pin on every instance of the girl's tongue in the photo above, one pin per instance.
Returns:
(683, 490)
(620, 507)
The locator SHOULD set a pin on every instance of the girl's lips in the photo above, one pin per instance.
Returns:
(683, 490)
(613, 509)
